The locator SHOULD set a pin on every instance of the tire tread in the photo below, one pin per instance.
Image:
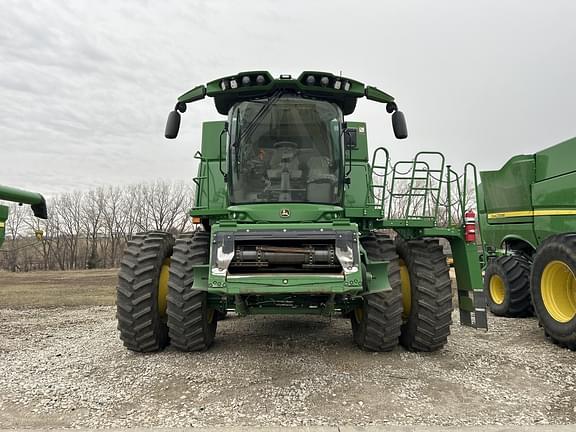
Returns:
(141, 327)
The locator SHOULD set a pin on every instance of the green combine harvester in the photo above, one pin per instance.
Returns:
(291, 216)
(36, 201)
(528, 223)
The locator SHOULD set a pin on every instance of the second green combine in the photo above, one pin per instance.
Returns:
(295, 219)
(528, 220)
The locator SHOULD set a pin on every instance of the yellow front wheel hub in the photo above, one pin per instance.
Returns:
(163, 287)
(497, 289)
(558, 289)
(406, 290)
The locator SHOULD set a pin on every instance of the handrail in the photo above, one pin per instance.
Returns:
(420, 177)
(374, 166)
(199, 180)
(419, 169)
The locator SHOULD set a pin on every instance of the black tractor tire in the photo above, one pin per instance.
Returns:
(376, 324)
(191, 323)
(507, 286)
(427, 323)
(553, 287)
(142, 326)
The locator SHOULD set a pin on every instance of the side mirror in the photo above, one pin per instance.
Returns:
(399, 125)
(350, 138)
(172, 125)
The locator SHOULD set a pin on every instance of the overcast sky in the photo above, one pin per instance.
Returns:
(85, 87)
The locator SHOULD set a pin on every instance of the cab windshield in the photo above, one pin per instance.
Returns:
(292, 152)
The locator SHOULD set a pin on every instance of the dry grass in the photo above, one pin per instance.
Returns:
(58, 288)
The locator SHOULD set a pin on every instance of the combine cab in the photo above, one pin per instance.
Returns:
(528, 220)
(35, 200)
(295, 220)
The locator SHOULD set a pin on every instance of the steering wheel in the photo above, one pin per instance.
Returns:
(286, 144)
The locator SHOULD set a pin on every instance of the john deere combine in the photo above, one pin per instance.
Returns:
(36, 201)
(291, 216)
(528, 223)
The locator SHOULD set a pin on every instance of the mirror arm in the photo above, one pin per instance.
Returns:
(197, 93)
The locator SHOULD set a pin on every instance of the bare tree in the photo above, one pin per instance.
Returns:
(90, 229)
(13, 229)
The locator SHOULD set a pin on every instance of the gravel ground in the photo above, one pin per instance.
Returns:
(65, 367)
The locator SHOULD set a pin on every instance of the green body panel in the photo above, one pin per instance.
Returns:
(496, 235)
(357, 193)
(211, 132)
(250, 213)
(556, 193)
(377, 279)
(531, 198)
(508, 189)
(556, 160)
(360, 152)
(545, 226)
(211, 195)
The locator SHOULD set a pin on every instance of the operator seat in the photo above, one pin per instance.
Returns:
(284, 157)
(321, 181)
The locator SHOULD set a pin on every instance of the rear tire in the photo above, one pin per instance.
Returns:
(191, 323)
(142, 325)
(429, 315)
(507, 286)
(376, 323)
(553, 286)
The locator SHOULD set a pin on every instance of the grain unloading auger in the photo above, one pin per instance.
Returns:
(292, 217)
(35, 200)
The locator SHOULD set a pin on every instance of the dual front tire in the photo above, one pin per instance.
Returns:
(155, 301)
(417, 311)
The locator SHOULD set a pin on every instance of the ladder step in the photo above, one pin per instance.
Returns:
(411, 178)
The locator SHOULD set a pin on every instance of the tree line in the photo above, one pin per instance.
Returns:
(90, 229)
